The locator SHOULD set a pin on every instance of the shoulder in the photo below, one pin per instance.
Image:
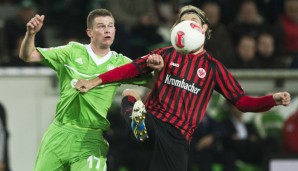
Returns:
(212, 60)
(120, 57)
(163, 50)
(215, 64)
(76, 45)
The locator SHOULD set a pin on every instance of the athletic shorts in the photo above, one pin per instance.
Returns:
(170, 148)
(68, 148)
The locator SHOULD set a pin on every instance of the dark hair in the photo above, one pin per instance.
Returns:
(97, 13)
(200, 13)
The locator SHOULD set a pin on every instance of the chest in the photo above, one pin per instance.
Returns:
(191, 70)
(84, 66)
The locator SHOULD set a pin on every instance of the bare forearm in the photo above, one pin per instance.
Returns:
(27, 47)
(95, 82)
(28, 50)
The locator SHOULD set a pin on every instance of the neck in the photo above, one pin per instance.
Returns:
(198, 51)
(99, 51)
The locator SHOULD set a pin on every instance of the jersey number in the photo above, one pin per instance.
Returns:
(92, 159)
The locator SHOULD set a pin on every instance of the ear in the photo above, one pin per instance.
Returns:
(89, 32)
(205, 27)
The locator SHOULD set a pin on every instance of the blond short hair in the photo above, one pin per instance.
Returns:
(200, 13)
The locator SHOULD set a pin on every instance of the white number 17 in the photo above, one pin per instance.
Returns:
(90, 161)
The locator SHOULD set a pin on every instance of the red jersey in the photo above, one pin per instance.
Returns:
(184, 87)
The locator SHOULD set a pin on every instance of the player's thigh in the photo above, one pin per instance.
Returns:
(92, 163)
(48, 161)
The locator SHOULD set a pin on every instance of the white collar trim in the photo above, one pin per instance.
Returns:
(97, 60)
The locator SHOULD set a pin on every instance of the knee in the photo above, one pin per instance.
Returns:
(131, 92)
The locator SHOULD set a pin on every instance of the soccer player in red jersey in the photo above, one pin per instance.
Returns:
(179, 98)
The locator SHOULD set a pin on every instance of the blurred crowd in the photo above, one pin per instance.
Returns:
(246, 34)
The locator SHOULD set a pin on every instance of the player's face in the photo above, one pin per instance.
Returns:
(102, 33)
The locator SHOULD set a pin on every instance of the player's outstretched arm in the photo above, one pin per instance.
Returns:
(264, 103)
(127, 71)
(28, 50)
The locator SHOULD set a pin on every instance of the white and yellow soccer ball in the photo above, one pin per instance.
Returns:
(187, 37)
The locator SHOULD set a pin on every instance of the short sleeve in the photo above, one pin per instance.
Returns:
(55, 57)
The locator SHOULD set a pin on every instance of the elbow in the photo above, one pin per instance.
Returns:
(23, 57)
(242, 105)
(27, 57)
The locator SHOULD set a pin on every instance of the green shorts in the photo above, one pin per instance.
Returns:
(68, 148)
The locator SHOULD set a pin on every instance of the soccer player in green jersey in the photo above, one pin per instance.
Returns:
(74, 141)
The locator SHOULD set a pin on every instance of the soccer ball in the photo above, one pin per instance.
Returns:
(187, 37)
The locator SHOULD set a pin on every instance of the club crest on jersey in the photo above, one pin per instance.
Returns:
(201, 73)
(79, 60)
(110, 67)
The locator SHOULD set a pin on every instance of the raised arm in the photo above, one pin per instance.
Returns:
(28, 50)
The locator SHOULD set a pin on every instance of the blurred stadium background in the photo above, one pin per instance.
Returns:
(30, 93)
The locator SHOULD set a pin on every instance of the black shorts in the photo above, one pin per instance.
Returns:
(169, 147)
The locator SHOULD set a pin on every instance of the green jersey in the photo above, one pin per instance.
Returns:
(76, 61)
